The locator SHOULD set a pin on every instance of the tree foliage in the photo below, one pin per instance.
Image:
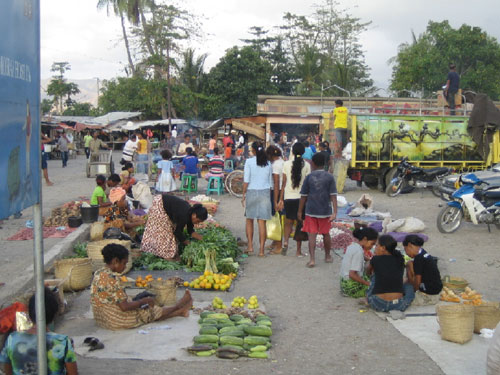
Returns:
(423, 63)
(232, 86)
(60, 88)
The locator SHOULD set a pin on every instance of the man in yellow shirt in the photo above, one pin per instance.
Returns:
(340, 122)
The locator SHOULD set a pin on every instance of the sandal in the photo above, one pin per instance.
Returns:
(276, 251)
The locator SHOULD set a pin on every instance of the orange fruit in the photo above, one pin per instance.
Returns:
(159, 279)
(186, 284)
(208, 286)
(216, 286)
(206, 273)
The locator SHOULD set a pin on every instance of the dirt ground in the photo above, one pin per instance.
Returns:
(316, 330)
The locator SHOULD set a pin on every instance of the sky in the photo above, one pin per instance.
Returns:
(91, 40)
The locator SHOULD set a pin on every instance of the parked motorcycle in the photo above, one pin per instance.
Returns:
(475, 201)
(409, 177)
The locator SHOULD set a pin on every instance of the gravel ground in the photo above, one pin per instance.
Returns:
(316, 330)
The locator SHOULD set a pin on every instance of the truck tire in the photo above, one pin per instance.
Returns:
(371, 183)
(388, 176)
(449, 219)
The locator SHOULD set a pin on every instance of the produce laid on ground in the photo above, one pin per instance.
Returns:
(209, 203)
(468, 297)
(232, 333)
(210, 280)
(59, 215)
(221, 246)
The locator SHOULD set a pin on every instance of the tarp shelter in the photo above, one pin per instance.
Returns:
(152, 123)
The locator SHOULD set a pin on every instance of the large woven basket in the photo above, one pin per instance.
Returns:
(486, 315)
(165, 291)
(94, 251)
(96, 231)
(76, 273)
(456, 322)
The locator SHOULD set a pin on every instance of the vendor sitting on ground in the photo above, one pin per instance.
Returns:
(118, 215)
(19, 353)
(167, 218)
(422, 271)
(386, 291)
(126, 176)
(111, 306)
(353, 282)
(99, 195)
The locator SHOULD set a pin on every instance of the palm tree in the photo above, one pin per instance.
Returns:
(191, 75)
(120, 8)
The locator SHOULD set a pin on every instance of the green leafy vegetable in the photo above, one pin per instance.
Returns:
(152, 262)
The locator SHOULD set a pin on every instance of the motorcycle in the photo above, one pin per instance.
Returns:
(475, 200)
(409, 177)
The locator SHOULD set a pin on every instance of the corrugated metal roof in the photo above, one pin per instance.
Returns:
(112, 117)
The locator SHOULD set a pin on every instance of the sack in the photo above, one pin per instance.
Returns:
(412, 225)
(493, 356)
(273, 228)
(299, 235)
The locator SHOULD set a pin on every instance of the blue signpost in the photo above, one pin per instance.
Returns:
(19, 106)
(20, 147)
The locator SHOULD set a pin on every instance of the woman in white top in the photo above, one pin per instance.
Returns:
(274, 155)
(256, 188)
(295, 171)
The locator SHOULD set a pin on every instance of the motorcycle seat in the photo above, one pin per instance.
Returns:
(492, 194)
(436, 171)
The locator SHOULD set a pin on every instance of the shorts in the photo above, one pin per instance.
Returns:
(291, 208)
(319, 225)
(44, 160)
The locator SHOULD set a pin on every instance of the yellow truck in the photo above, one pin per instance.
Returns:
(380, 141)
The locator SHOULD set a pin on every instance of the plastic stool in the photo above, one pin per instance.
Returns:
(228, 166)
(215, 185)
(187, 183)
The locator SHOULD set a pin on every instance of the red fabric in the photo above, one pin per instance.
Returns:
(320, 225)
(8, 316)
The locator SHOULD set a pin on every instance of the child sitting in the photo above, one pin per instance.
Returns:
(99, 195)
(422, 271)
(353, 282)
(190, 162)
(386, 291)
(165, 181)
(126, 176)
(19, 354)
(318, 196)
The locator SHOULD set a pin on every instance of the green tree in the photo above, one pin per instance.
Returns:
(233, 84)
(132, 94)
(423, 63)
(79, 109)
(46, 106)
(59, 88)
(188, 91)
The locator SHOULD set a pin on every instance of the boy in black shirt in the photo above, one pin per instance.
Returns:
(422, 271)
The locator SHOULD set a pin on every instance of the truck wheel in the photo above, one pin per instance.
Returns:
(389, 176)
(449, 219)
(371, 183)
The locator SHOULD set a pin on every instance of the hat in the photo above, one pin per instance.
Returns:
(116, 194)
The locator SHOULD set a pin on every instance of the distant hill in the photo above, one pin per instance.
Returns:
(88, 90)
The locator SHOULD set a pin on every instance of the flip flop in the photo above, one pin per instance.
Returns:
(329, 260)
(310, 265)
(262, 255)
(284, 249)
(276, 252)
(96, 345)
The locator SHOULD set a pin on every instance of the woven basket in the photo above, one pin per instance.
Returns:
(486, 315)
(456, 322)
(165, 291)
(455, 283)
(96, 231)
(94, 252)
(76, 273)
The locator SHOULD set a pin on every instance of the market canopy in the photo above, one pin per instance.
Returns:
(153, 123)
(250, 128)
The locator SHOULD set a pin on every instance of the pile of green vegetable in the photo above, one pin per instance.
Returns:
(351, 288)
(214, 238)
(151, 262)
(80, 250)
(234, 336)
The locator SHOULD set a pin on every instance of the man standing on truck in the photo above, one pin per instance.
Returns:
(452, 85)
(340, 124)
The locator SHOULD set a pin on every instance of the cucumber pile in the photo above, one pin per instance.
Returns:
(231, 337)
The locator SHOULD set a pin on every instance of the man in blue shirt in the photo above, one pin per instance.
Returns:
(452, 85)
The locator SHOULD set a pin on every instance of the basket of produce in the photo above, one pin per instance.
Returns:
(76, 273)
(456, 322)
(94, 251)
(96, 231)
(486, 315)
(165, 292)
(455, 283)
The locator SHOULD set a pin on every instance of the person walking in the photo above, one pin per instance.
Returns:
(62, 144)
(129, 149)
(45, 157)
(256, 191)
(86, 144)
(452, 86)
(142, 154)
